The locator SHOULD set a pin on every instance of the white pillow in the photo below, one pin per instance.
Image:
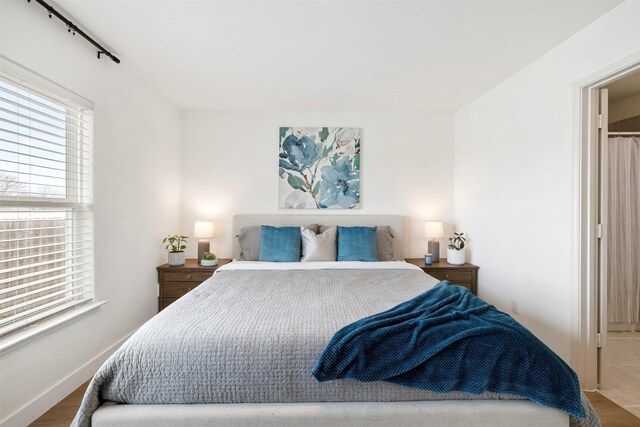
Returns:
(319, 247)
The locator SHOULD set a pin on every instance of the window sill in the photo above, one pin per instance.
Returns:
(10, 342)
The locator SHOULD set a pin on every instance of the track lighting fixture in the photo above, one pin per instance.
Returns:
(73, 29)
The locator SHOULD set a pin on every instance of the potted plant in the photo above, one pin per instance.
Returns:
(208, 260)
(455, 250)
(175, 245)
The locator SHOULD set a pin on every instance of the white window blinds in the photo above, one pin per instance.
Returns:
(46, 219)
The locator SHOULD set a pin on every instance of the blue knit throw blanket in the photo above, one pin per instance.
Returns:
(447, 339)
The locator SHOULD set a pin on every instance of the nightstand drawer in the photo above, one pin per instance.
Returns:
(175, 281)
(177, 289)
(167, 301)
(453, 276)
(186, 277)
(467, 285)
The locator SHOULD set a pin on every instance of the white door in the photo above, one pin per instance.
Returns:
(602, 233)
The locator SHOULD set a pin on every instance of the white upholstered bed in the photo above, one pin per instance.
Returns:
(264, 408)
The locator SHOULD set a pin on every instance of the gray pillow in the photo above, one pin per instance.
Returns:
(319, 246)
(384, 242)
(249, 239)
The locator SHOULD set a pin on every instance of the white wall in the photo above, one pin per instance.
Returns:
(229, 166)
(136, 179)
(514, 176)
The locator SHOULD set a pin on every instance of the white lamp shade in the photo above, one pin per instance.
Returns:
(433, 229)
(203, 229)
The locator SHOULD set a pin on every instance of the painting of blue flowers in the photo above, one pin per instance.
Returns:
(319, 168)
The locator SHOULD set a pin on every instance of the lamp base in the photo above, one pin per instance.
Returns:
(434, 249)
(203, 246)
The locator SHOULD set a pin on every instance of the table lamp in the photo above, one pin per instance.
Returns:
(434, 230)
(204, 231)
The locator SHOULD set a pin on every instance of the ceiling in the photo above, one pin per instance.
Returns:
(626, 87)
(329, 55)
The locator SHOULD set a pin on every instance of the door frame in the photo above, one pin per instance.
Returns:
(584, 293)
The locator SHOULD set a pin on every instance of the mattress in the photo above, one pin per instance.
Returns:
(253, 332)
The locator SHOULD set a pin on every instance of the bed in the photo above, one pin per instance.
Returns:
(238, 351)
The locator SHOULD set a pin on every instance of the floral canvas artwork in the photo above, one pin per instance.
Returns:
(319, 168)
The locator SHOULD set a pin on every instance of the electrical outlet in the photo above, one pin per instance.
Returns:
(515, 306)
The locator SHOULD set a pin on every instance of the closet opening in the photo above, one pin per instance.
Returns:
(606, 350)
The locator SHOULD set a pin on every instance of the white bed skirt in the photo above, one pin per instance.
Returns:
(445, 413)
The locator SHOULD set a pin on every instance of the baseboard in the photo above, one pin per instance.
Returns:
(47, 399)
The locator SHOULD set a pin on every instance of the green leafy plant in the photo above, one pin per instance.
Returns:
(457, 241)
(208, 256)
(175, 243)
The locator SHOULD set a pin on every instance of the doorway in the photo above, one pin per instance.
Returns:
(608, 334)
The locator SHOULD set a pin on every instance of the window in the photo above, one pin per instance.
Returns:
(46, 218)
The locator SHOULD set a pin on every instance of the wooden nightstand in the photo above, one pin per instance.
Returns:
(176, 281)
(462, 275)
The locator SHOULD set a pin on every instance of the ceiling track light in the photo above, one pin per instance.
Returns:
(73, 29)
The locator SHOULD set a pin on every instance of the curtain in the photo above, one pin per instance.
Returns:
(623, 269)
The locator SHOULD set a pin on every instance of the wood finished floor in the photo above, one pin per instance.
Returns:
(62, 414)
(611, 414)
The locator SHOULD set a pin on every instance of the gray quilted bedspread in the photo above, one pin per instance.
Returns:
(254, 336)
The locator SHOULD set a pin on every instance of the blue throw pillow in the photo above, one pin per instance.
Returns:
(279, 244)
(357, 244)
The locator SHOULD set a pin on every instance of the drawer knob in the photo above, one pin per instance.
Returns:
(188, 276)
(446, 275)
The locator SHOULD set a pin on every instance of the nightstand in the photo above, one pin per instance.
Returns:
(176, 281)
(462, 275)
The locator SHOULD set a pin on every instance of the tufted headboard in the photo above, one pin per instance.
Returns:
(396, 222)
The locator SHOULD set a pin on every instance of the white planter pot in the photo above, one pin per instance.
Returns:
(208, 262)
(176, 258)
(455, 257)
